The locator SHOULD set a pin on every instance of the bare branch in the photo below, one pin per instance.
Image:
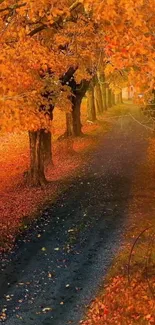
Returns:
(11, 8)
(37, 30)
(132, 248)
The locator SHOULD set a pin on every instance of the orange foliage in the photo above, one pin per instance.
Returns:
(28, 65)
(122, 304)
(41, 40)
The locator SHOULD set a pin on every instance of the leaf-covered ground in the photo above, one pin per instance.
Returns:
(128, 294)
(15, 210)
(58, 266)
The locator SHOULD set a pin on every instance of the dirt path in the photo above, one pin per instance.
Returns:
(56, 273)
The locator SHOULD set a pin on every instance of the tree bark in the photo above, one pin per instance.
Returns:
(121, 97)
(91, 103)
(76, 114)
(37, 158)
(104, 96)
(47, 143)
(109, 98)
(113, 99)
(117, 98)
(98, 98)
(103, 88)
(69, 126)
(102, 83)
(73, 119)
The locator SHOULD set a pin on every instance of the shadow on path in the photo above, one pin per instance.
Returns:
(62, 269)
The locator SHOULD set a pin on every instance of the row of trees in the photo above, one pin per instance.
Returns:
(53, 52)
(100, 97)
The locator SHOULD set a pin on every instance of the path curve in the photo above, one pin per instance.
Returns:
(54, 276)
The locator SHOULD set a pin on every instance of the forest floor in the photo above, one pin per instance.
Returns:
(16, 212)
(86, 234)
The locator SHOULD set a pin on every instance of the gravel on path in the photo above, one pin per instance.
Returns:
(57, 271)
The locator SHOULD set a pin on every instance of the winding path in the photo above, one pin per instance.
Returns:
(54, 275)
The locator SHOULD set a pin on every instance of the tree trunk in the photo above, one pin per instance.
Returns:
(91, 103)
(102, 83)
(103, 88)
(113, 99)
(76, 114)
(98, 98)
(47, 141)
(37, 158)
(69, 125)
(109, 98)
(121, 97)
(73, 119)
(117, 99)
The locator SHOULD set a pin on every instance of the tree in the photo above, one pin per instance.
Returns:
(41, 41)
(91, 101)
(46, 66)
(98, 95)
(73, 121)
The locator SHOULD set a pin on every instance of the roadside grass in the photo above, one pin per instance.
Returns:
(21, 204)
(128, 293)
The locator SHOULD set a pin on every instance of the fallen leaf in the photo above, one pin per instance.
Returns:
(50, 275)
(46, 309)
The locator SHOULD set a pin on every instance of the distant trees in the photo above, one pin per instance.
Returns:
(53, 52)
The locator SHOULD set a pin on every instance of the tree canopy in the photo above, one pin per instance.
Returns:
(41, 40)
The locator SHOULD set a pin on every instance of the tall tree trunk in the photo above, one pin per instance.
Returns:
(113, 99)
(103, 88)
(109, 98)
(102, 83)
(121, 97)
(69, 125)
(47, 143)
(98, 98)
(37, 173)
(117, 99)
(73, 119)
(76, 114)
(91, 103)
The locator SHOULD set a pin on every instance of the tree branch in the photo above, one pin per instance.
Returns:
(15, 6)
(37, 30)
(56, 22)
